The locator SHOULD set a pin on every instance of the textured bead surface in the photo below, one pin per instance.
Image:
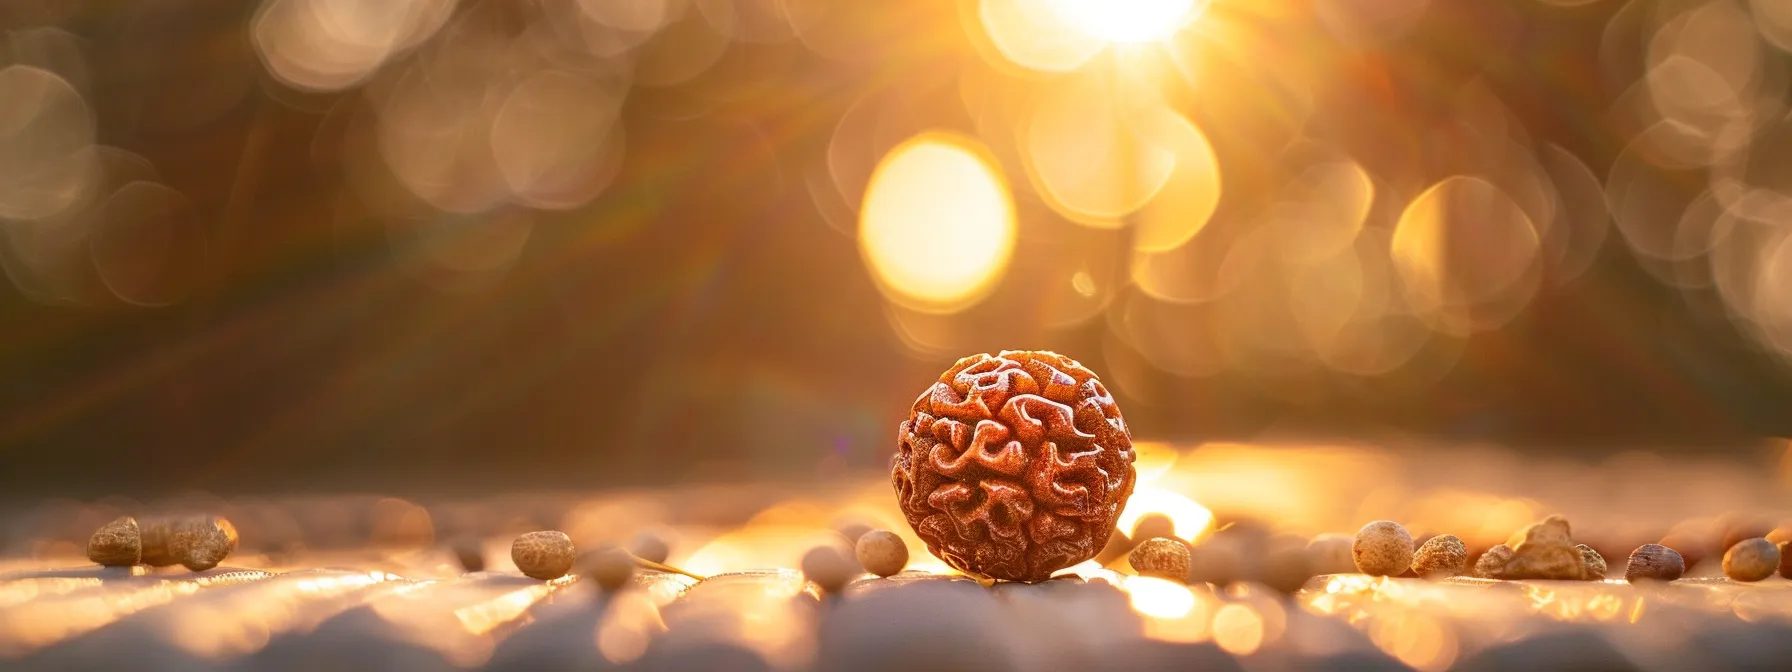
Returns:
(1382, 548)
(1162, 558)
(1013, 466)
(543, 555)
(201, 542)
(116, 544)
(1654, 562)
(1442, 556)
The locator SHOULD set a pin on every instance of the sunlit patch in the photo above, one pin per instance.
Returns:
(1238, 629)
(1190, 520)
(1129, 21)
(1159, 598)
(1171, 611)
(937, 226)
(631, 622)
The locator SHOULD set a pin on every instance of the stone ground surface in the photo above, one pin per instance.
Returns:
(232, 618)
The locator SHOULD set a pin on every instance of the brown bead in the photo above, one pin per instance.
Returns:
(1440, 557)
(828, 568)
(199, 543)
(1013, 466)
(1382, 548)
(881, 552)
(546, 555)
(1751, 560)
(1786, 559)
(116, 544)
(1591, 562)
(1492, 564)
(1654, 562)
(1161, 558)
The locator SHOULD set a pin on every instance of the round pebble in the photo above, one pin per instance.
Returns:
(199, 543)
(1654, 562)
(828, 568)
(1592, 562)
(1751, 560)
(1382, 548)
(1492, 564)
(546, 555)
(650, 547)
(1440, 557)
(116, 544)
(881, 552)
(1161, 558)
(609, 567)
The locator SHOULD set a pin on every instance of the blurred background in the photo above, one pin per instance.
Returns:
(428, 246)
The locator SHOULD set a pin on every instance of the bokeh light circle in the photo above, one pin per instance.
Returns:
(937, 225)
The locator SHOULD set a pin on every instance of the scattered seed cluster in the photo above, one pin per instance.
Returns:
(1161, 558)
(1440, 557)
(1751, 560)
(881, 552)
(545, 555)
(1382, 548)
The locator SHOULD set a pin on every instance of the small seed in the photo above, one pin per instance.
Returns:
(881, 552)
(828, 568)
(1440, 557)
(1592, 563)
(545, 555)
(1161, 558)
(650, 547)
(1654, 562)
(1751, 560)
(1382, 548)
(201, 542)
(116, 544)
(1492, 564)
(609, 567)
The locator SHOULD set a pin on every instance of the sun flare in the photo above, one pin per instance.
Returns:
(1129, 21)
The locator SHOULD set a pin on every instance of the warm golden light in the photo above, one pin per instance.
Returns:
(937, 226)
(1129, 21)
(1190, 519)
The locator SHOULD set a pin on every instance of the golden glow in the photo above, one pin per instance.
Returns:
(937, 226)
(1128, 21)
(1238, 629)
(1159, 598)
(1190, 519)
(1464, 241)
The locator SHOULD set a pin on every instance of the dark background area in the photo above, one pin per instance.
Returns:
(699, 319)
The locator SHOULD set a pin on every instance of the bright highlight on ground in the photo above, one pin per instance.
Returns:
(937, 225)
(1128, 21)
